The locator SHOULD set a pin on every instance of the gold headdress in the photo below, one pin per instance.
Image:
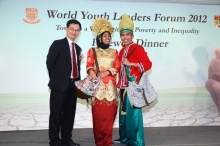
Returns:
(126, 24)
(101, 25)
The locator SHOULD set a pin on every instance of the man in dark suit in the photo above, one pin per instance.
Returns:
(63, 71)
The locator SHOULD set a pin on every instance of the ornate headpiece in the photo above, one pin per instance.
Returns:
(126, 24)
(101, 25)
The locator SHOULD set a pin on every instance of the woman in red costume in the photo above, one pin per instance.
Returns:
(104, 104)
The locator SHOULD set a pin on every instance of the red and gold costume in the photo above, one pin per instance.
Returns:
(138, 56)
(107, 60)
(104, 103)
(104, 106)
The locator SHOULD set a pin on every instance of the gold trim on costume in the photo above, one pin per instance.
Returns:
(109, 103)
(123, 97)
(106, 91)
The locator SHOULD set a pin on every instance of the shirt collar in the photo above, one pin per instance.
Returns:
(69, 41)
(129, 44)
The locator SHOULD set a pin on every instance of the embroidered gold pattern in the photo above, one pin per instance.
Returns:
(109, 103)
(107, 89)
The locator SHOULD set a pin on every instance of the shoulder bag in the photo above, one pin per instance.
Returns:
(87, 87)
(142, 93)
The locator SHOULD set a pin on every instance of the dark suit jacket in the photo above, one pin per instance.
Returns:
(59, 64)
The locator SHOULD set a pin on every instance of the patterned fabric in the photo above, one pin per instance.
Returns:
(108, 60)
(88, 85)
(141, 94)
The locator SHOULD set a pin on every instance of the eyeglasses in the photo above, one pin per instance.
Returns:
(73, 30)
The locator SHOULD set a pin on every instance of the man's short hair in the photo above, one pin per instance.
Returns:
(73, 21)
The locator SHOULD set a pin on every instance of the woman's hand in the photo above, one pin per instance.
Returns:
(104, 74)
(92, 74)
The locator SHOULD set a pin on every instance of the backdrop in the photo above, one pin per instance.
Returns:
(181, 40)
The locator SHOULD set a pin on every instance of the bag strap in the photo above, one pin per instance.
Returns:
(96, 61)
(131, 51)
(130, 54)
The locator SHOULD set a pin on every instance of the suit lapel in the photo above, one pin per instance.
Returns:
(67, 50)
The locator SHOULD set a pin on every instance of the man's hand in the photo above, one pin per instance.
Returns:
(125, 61)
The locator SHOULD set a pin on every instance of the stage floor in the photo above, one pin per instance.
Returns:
(159, 136)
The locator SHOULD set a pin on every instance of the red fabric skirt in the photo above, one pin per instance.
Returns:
(103, 113)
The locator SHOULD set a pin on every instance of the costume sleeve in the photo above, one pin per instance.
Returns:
(114, 70)
(120, 59)
(144, 62)
(52, 56)
(90, 60)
